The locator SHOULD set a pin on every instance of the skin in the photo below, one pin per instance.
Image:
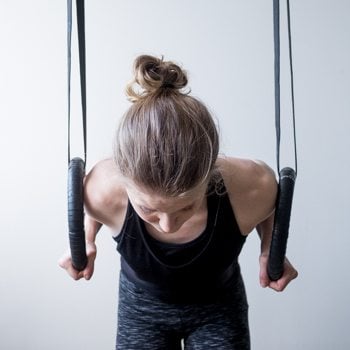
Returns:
(251, 187)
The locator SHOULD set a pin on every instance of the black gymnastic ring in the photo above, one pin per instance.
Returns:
(278, 247)
(76, 174)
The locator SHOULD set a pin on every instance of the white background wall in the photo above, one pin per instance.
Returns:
(227, 48)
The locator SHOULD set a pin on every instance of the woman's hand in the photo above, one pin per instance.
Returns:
(289, 274)
(66, 263)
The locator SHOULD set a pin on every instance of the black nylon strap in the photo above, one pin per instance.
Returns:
(276, 31)
(292, 86)
(82, 64)
(69, 65)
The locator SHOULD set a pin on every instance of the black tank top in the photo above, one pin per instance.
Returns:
(197, 270)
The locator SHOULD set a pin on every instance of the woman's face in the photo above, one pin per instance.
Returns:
(166, 214)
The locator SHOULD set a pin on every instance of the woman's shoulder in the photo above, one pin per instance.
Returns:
(252, 189)
(104, 193)
(245, 174)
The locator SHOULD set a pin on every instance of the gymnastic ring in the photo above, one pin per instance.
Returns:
(278, 246)
(76, 174)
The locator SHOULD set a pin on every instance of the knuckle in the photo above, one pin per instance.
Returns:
(75, 277)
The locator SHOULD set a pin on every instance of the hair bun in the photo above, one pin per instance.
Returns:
(154, 75)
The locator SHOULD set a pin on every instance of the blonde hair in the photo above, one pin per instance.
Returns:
(167, 140)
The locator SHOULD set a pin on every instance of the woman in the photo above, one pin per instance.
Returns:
(180, 216)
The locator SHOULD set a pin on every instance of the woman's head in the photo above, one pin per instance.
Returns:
(167, 141)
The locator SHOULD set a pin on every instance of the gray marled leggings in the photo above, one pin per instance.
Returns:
(147, 323)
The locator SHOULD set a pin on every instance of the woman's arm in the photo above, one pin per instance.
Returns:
(252, 188)
(105, 203)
